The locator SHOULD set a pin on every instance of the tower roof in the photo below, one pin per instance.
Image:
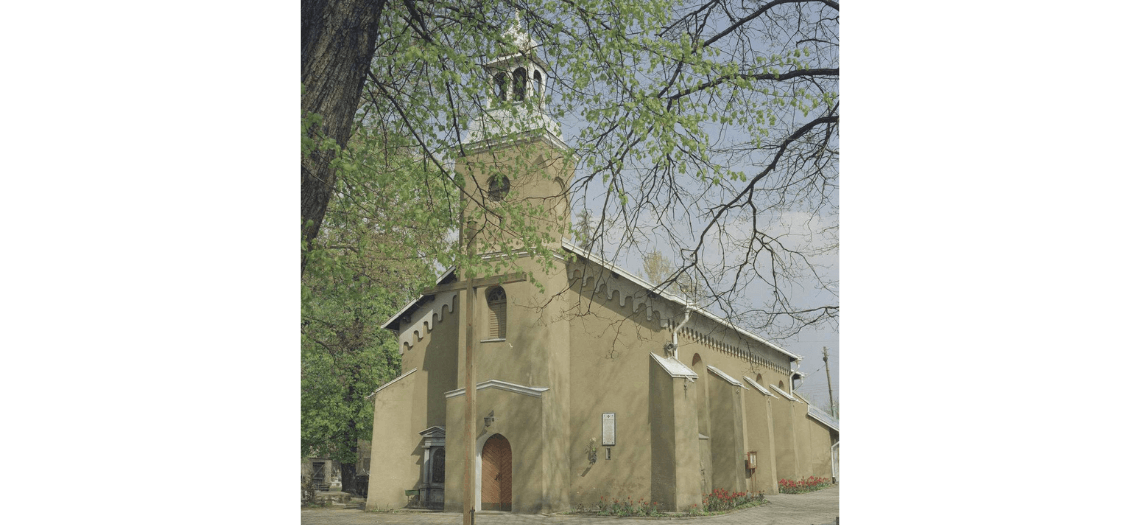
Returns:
(517, 76)
(525, 44)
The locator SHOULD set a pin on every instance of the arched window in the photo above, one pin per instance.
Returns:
(501, 86)
(537, 83)
(499, 187)
(759, 380)
(520, 84)
(497, 313)
(696, 359)
(437, 464)
(782, 385)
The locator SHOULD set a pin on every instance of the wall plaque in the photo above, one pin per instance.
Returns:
(608, 431)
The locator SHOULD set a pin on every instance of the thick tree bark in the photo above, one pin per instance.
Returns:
(338, 38)
(348, 479)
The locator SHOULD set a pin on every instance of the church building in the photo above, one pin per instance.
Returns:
(592, 386)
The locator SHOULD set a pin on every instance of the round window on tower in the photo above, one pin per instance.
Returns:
(499, 187)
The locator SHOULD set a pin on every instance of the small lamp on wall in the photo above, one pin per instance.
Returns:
(489, 419)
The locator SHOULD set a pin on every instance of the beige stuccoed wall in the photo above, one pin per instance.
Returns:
(533, 353)
(726, 441)
(396, 453)
(592, 353)
(663, 436)
(609, 343)
(820, 460)
(783, 420)
(803, 438)
(759, 439)
(409, 406)
(519, 419)
(438, 363)
(535, 169)
(609, 349)
(715, 350)
(675, 483)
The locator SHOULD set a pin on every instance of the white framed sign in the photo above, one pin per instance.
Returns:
(609, 433)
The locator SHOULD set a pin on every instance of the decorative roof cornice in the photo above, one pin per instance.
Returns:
(625, 274)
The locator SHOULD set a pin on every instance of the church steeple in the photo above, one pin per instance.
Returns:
(513, 155)
(517, 97)
(518, 76)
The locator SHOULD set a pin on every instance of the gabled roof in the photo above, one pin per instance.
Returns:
(818, 414)
(596, 259)
(436, 431)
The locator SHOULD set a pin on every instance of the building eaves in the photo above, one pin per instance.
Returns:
(823, 417)
(594, 258)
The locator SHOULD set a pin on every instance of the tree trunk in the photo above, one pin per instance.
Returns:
(348, 478)
(338, 38)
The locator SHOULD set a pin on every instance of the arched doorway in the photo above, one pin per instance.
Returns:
(496, 475)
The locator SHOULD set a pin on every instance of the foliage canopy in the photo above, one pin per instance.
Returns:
(708, 129)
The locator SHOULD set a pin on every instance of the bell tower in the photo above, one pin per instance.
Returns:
(515, 165)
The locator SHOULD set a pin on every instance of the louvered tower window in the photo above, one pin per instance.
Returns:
(497, 318)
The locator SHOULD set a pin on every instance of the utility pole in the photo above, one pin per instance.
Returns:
(827, 369)
(469, 391)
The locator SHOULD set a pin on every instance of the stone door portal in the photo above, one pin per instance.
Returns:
(496, 478)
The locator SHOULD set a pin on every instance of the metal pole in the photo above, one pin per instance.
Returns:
(827, 369)
(469, 391)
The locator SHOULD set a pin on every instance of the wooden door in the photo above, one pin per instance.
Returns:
(496, 478)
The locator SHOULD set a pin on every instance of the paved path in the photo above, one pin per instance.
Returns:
(814, 508)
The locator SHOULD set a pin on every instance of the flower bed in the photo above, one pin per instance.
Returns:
(721, 500)
(810, 484)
